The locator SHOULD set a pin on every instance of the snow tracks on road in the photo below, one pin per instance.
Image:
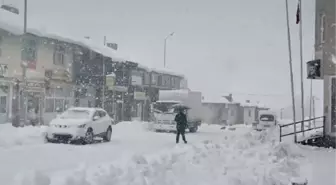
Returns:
(236, 160)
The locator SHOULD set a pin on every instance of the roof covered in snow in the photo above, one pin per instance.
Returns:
(253, 104)
(160, 70)
(13, 23)
(216, 100)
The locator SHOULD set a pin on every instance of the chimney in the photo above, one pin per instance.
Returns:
(229, 98)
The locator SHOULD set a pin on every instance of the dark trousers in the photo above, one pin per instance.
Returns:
(180, 131)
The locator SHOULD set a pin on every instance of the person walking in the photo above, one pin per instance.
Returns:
(181, 125)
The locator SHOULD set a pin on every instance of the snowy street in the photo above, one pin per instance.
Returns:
(18, 155)
(138, 156)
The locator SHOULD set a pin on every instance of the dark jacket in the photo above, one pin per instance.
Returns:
(181, 120)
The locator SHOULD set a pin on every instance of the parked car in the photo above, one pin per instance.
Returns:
(80, 124)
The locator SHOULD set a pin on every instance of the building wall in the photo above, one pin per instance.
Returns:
(215, 113)
(325, 50)
(249, 115)
(60, 75)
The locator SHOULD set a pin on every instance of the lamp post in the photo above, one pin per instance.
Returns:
(165, 48)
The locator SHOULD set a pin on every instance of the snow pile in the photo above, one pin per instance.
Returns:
(29, 135)
(234, 161)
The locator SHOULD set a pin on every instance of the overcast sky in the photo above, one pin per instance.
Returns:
(222, 46)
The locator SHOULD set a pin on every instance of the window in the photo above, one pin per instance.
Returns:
(249, 113)
(3, 104)
(155, 79)
(166, 80)
(59, 105)
(57, 99)
(160, 81)
(59, 55)
(1, 40)
(49, 105)
(267, 117)
(146, 78)
(102, 114)
(29, 51)
(96, 114)
(66, 104)
(323, 28)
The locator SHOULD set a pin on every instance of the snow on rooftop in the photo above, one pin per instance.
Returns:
(160, 70)
(13, 23)
(215, 100)
(253, 104)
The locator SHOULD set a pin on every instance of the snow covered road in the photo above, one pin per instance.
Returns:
(28, 152)
(138, 156)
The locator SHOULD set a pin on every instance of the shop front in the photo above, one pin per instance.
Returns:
(138, 106)
(114, 98)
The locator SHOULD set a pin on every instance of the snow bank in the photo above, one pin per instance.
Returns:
(29, 135)
(236, 160)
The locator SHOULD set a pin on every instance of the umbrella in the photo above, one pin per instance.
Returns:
(180, 107)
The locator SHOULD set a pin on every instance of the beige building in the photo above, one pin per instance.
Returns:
(48, 75)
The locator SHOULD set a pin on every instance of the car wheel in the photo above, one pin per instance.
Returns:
(108, 134)
(88, 139)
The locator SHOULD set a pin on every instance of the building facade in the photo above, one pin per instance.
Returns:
(61, 74)
(48, 76)
(325, 50)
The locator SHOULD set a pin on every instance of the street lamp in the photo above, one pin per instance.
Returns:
(165, 48)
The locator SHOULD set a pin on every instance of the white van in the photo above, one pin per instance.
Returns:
(266, 119)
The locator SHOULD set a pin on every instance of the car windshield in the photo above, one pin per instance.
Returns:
(75, 114)
(267, 117)
(164, 107)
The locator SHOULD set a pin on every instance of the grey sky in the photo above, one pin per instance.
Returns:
(221, 46)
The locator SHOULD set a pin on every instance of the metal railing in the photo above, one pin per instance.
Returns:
(304, 130)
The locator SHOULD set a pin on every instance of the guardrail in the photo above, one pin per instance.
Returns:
(301, 131)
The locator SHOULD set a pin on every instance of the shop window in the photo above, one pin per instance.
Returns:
(49, 105)
(3, 104)
(66, 104)
(59, 105)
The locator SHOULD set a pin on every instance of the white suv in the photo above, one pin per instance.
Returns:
(80, 124)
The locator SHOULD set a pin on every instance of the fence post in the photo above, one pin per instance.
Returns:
(324, 125)
(280, 133)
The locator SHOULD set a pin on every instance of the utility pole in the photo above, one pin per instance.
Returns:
(291, 69)
(24, 66)
(104, 76)
(165, 48)
(310, 102)
(301, 68)
(281, 113)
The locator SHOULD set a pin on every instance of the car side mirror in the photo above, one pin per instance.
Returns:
(96, 118)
